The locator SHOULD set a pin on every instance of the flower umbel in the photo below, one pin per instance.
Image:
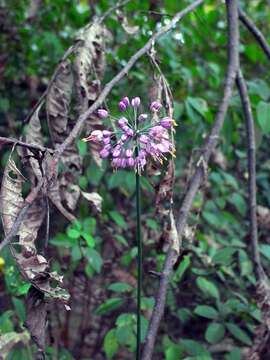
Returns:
(139, 136)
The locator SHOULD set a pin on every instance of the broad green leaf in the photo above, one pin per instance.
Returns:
(183, 266)
(265, 250)
(120, 287)
(109, 305)
(193, 347)
(224, 256)
(118, 219)
(20, 308)
(206, 311)
(89, 239)
(207, 287)
(110, 343)
(125, 319)
(238, 333)
(73, 233)
(263, 116)
(214, 333)
(173, 352)
(94, 258)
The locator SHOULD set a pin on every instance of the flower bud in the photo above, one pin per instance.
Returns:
(129, 153)
(142, 117)
(106, 133)
(155, 106)
(122, 122)
(106, 140)
(135, 102)
(104, 153)
(130, 162)
(122, 106)
(116, 153)
(102, 113)
(124, 138)
(144, 139)
(125, 100)
(167, 122)
(128, 131)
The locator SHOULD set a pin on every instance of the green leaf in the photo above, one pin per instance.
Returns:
(118, 219)
(125, 319)
(206, 311)
(224, 256)
(173, 352)
(121, 239)
(235, 354)
(193, 347)
(207, 287)
(214, 333)
(89, 225)
(124, 334)
(89, 239)
(239, 202)
(265, 250)
(109, 305)
(238, 333)
(110, 343)
(263, 116)
(120, 287)
(20, 308)
(182, 268)
(94, 258)
(73, 233)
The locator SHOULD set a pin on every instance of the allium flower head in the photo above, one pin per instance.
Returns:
(138, 136)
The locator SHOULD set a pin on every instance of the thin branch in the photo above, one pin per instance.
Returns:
(242, 88)
(112, 9)
(11, 141)
(21, 215)
(107, 89)
(255, 32)
(196, 180)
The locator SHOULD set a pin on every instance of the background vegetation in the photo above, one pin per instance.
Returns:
(211, 310)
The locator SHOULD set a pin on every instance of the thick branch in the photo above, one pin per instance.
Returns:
(255, 32)
(242, 88)
(82, 119)
(193, 186)
(11, 141)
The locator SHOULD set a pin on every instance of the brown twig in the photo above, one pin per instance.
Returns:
(255, 32)
(112, 9)
(242, 88)
(12, 141)
(83, 117)
(193, 186)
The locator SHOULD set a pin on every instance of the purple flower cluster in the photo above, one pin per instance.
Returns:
(137, 138)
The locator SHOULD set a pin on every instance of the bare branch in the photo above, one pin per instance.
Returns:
(242, 88)
(112, 9)
(82, 119)
(11, 141)
(193, 186)
(255, 32)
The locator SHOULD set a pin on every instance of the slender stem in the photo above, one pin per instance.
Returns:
(139, 246)
(139, 264)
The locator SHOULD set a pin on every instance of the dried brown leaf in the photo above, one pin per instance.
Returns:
(58, 101)
(93, 198)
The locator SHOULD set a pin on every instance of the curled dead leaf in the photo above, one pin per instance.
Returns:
(93, 198)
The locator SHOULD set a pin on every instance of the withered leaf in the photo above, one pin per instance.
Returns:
(93, 198)
(58, 100)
